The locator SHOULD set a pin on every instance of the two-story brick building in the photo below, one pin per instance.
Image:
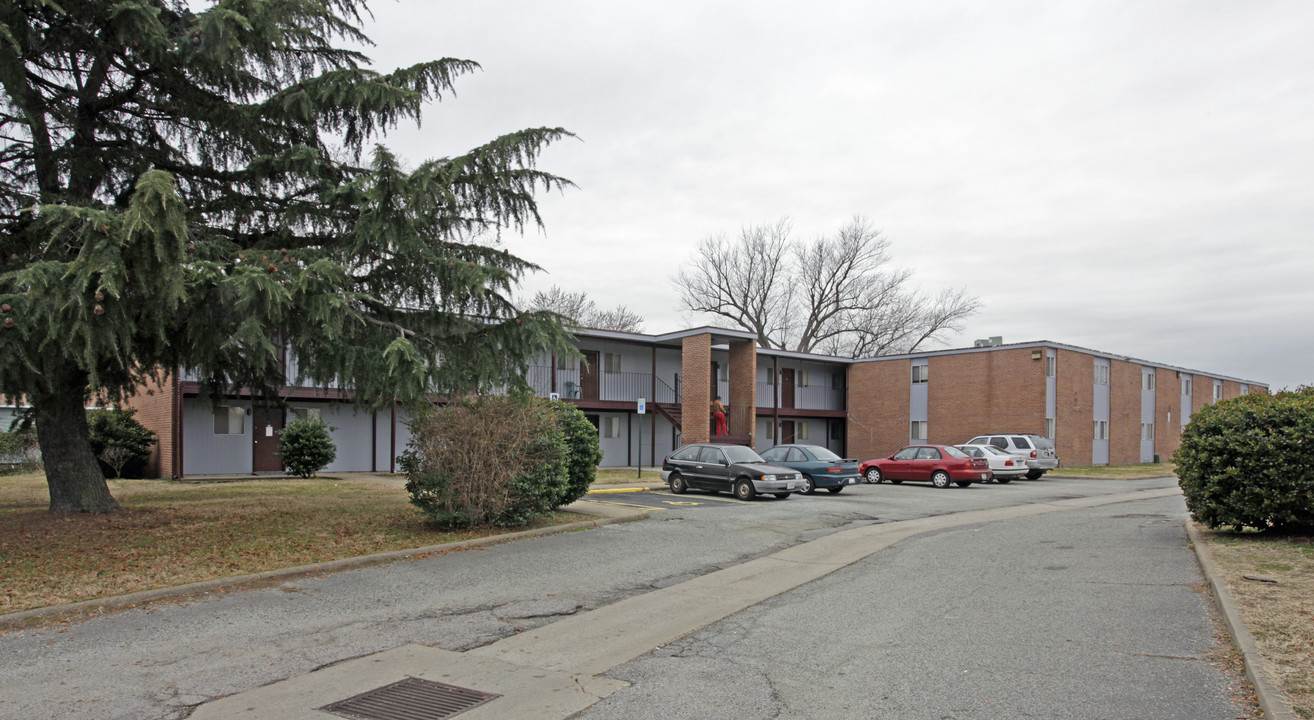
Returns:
(1099, 407)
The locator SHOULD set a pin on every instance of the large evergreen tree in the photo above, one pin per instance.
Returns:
(201, 189)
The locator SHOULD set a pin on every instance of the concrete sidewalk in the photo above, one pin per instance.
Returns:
(553, 671)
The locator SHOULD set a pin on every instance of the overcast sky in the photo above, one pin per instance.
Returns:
(1133, 177)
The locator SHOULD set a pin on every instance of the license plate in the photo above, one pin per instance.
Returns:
(984, 476)
(852, 481)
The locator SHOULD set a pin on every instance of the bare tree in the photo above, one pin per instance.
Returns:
(837, 294)
(583, 312)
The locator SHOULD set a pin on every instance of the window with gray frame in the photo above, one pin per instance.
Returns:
(229, 420)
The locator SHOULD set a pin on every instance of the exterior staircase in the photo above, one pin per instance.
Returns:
(672, 412)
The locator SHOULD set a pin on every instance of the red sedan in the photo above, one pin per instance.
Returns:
(939, 464)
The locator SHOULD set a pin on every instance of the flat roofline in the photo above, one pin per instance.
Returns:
(1060, 346)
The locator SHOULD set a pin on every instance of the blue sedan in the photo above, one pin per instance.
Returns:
(820, 467)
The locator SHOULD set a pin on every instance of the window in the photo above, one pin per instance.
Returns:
(836, 381)
(229, 420)
(803, 430)
(310, 413)
(1186, 386)
(775, 454)
(712, 455)
(1147, 431)
(795, 455)
(611, 426)
(836, 431)
(919, 373)
(1051, 366)
(771, 377)
(1021, 443)
(767, 430)
(612, 362)
(918, 430)
(802, 378)
(928, 453)
(906, 454)
(1218, 390)
(1101, 429)
(689, 453)
(1101, 374)
(1147, 381)
(1049, 428)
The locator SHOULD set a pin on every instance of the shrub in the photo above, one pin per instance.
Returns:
(121, 444)
(584, 451)
(19, 451)
(487, 459)
(1249, 462)
(305, 446)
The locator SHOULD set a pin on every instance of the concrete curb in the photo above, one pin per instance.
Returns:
(627, 489)
(1271, 700)
(100, 606)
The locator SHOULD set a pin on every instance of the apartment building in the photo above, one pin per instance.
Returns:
(1099, 407)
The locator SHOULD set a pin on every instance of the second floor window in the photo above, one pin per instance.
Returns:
(1101, 374)
(919, 373)
(1147, 381)
(1186, 386)
(1051, 366)
(612, 362)
(1218, 391)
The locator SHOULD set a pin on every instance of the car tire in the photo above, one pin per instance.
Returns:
(1034, 474)
(677, 484)
(873, 475)
(963, 483)
(782, 496)
(1003, 481)
(940, 479)
(744, 490)
(835, 490)
(809, 487)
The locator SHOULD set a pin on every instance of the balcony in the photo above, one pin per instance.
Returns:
(811, 397)
(610, 387)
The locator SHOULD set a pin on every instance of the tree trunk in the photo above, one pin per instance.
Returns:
(75, 480)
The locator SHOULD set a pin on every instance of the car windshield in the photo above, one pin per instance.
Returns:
(822, 453)
(954, 452)
(741, 454)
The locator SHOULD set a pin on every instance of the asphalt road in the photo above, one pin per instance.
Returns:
(1089, 613)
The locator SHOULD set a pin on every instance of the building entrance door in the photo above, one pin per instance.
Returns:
(787, 388)
(266, 425)
(588, 375)
(786, 432)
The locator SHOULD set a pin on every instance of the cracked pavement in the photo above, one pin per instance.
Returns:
(769, 661)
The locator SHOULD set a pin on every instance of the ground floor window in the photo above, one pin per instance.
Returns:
(1101, 429)
(611, 427)
(229, 420)
(1049, 428)
(1147, 431)
(918, 430)
(313, 413)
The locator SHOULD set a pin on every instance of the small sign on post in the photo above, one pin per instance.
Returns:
(643, 407)
(554, 396)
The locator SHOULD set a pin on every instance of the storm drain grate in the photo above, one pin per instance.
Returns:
(410, 699)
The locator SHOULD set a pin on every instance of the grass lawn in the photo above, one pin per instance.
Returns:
(175, 533)
(1280, 615)
(1116, 472)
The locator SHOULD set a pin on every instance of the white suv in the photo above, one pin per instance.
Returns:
(1038, 450)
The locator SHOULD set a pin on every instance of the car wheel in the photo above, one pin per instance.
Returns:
(1003, 481)
(874, 475)
(835, 490)
(809, 487)
(783, 496)
(1034, 474)
(677, 484)
(963, 483)
(744, 490)
(940, 479)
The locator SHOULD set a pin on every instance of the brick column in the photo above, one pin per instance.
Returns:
(743, 390)
(696, 389)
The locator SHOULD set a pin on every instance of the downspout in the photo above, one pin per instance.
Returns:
(775, 400)
(392, 441)
(374, 441)
(652, 460)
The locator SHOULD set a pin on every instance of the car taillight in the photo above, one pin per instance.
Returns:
(835, 469)
(1007, 463)
(1033, 453)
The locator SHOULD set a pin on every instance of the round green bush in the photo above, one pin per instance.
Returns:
(1249, 462)
(306, 447)
(584, 451)
(122, 444)
(489, 459)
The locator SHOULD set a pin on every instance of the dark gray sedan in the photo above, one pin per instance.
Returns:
(721, 468)
(819, 467)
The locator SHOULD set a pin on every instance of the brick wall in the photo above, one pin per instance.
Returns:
(743, 389)
(696, 389)
(1124, 412)
(1202, 392)
(878, 408)
(1231, 389)
(1167, 413)
(1074, 407)
(157, 407)
(976, 393)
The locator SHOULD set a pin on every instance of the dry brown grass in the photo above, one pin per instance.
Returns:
(1280, 615)
(170, 534)
(1116, 472)
(615, 476)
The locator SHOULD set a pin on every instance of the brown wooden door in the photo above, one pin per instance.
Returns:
(588, 375)
(787, 388)
(266, 424)
(787, 431)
